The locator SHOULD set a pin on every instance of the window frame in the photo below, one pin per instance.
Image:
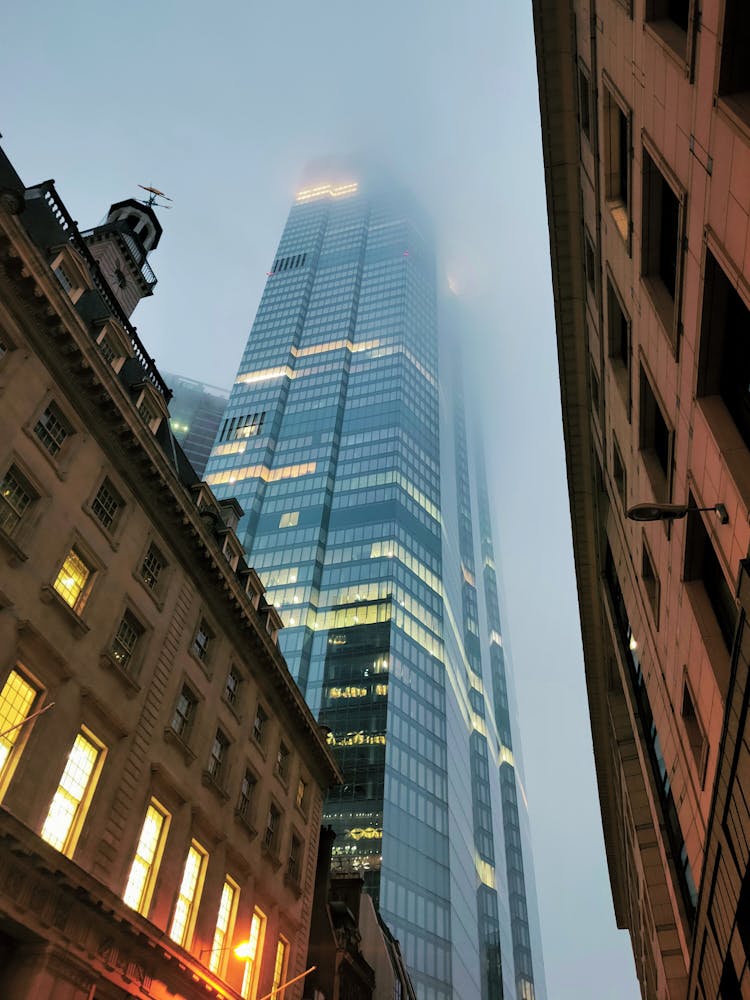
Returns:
(112, 531)
(660, 479)
(22, 730)
(83, 553)
(83, 805)
(620, 208)
(185, 732)
(132, 666)
(185, 940)
(149, 884)
(27, 519)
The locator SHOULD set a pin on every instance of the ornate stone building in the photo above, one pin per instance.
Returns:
(161, 778)
(645, 108)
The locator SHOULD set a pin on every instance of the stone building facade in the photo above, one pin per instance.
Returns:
(645, 108)
(161, 778)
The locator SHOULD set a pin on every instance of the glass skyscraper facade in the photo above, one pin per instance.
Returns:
(346, 441)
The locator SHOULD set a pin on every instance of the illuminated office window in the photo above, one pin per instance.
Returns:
(70, 803)
(16, 701)
(280, 964)
(249, 988)
(189, 895)
(72, 583)
(224, 924)
(147, 858)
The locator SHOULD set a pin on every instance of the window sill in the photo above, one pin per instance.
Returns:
(49, 595)
(210, 782)
(270, 856)
(621, 377)
(16, 555)
(232, 709)
(710, 633)
(108, 661)
(246, 824)
(672, 38)
(664, 307)
(203, 664)
(58, 463)
(284, 782)
(110, 537)
(259, 747)
(735, 108)
(619, 212)
(658, 481)
(303, 811)
(170, 736)
(293, 883)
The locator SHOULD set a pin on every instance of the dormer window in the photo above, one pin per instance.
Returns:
(70, 270)
(232, 550)
(114, 343)
(151, 406)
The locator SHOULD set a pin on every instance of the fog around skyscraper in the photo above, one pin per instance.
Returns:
(222, 109)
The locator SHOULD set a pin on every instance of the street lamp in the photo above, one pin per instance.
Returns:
(672, 512)
(243, 951)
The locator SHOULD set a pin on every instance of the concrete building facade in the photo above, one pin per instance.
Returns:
(161, 778)
(645, 109)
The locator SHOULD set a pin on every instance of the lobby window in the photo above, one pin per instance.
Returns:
(188, 898)
(694, 732)
(217, 759)
(247, 790)
(225, 918)
(255, 939)
(184, 713)
(17, 700)
(618, 474)
(70, 802)
(584, 101)
(73, 581)
(271, 832)
(661, 246)
(617, 161)
(589, 261)
(655, 441)
(125, 643)
(16, 498)
(52, 429)
(282, 762)
(650, 581)
(724, 368)
(232, 688)
(153, 567)
(620, 347)
(259, 725)
(734, 78)
(702, 565)
(107, 505)
(204, 636)
(147, 858)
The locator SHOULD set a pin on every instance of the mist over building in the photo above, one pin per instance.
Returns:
(195, 412)
(348, 444)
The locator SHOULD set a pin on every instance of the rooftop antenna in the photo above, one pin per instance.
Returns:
(153, 195)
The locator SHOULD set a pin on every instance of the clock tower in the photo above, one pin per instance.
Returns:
(121, 245)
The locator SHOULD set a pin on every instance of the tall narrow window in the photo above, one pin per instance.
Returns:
(249, 988)
(16, 702)
(280, 963)
(617, 162)
(282, 762)
(584, 101)
(246, 795)
(655, 441)
(107, 505)
(74, 580)
(618, 328)
(294, 861)
(618, 475)
(589, 261)
(735, 65)
(224, 924)
(16, 497)
(259, 725)
(152, 569)
(125, 643)
(188, 898)
(218, 757)
(202, 641)
(271, 833)
(695, 734)
(702, 564)
(232, 689)
(70, 802)
(661, 256)
(145, 867)
(184, 713)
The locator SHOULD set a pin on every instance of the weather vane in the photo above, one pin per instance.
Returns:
(153, 195)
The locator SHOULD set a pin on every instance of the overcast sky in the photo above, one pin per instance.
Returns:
(221, 105)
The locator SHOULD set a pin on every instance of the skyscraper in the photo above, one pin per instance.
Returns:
(195, 413)
(351, 456)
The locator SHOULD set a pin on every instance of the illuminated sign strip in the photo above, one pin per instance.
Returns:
(323, 190)
(261, 472)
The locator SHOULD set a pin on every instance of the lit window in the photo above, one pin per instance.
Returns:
(124, 644)
(301, 794)
(255, 950)
(280, 963)
(202, 641)
(16, 701)
(224, 923)
(289, 520)
(246, 795)
(107, 504)
(260, 720)
(153, 567)
(52, 429)
(617, 162)
(232, 689)
(16, 496)
(70, 802)
(218, 756)
(282, 762)
(72, 583)
(184, 712)
(271, 833)
(189, 895)
(147, 858)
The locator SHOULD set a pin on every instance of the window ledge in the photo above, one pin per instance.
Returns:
(58, 463)
(304, 813)
(657, 480)
(203, 664)
(293, 883)
(672, 38)
(225, 701)
(619, 212)
(246, 824)
(171, 736)
(49, 595)
(155, 595)
(713, 640)
(111, 538)
(664, 306)
(259, 747)
(736, 109)
(210, 782)
(16, 555)
(284, 782)
(271, 857)
(108, 661)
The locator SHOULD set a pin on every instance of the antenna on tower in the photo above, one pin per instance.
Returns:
(153, 195)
